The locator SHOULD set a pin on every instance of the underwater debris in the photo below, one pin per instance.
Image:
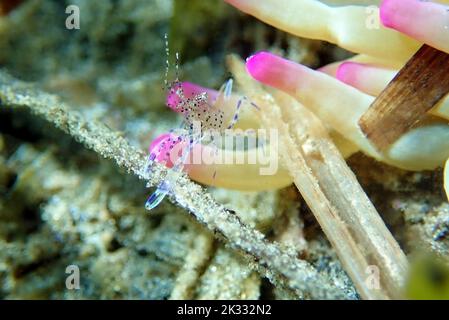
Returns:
(416, 89)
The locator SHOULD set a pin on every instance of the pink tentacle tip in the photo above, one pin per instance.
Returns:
(347, 71)
(162, 147)
(257, 63)
(268, 68)
(275, 71)
(388, 10)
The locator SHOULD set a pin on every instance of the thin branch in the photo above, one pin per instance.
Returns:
(271, 260)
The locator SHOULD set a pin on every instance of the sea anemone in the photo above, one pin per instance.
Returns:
(384, 39)
(341, 106)
(342, 95)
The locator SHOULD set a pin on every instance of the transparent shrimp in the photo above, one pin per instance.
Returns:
(196, 108)
(193, 109)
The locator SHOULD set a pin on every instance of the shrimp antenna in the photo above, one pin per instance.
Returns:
(167, 60)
